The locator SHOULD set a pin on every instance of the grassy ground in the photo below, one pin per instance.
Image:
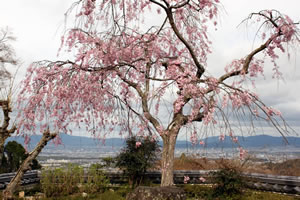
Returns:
(204, 192)
(194, 192)
(108, 195)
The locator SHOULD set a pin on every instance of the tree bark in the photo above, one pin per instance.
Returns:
(5, 132)
(11, 187)
(169, 142)
(2, 142)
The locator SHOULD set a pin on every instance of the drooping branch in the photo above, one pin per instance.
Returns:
(245, 68)
(284, 30)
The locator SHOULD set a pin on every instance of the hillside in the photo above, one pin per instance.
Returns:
(259, 141)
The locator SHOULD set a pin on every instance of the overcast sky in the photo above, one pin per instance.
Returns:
(39, 24)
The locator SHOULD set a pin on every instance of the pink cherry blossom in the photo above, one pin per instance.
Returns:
(222, 137)
(235, 139)
(186, 179)
(138, 144)
(202, 179)
(242, 153)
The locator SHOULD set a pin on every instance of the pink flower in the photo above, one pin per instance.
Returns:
(222, 137)
(138, 144)
(202, 179)
(235, 139)
(186, 179)
(243, 153)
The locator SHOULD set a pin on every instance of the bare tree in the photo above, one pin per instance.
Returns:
(7, 58)
(7, 55)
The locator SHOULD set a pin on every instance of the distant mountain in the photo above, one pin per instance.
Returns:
(210, 142)
(73, 141)
(253, 141)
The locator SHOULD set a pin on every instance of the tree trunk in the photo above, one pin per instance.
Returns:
(169, 142)
(2, 142)
(11, 187)
(4, 131)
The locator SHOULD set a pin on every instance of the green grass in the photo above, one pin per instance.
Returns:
(205, 192)
(103, 196)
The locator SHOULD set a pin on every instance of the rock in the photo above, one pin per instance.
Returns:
(21, 194)
(84, 195)
(157, 193)
(40, 195)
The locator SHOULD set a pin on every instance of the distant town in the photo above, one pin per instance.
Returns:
(86, 151)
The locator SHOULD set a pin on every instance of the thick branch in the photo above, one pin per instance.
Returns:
(245, 68)
(200, 68)
(181, 5)
(11, 187)
(159, 4)
(144, 98)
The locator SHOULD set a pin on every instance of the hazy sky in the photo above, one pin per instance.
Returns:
(39, 24)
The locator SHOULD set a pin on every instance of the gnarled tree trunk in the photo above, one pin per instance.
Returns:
(11, 187)
(5, 132)
(2, 142)
(169, 142)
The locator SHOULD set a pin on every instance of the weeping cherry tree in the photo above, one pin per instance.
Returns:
(127, 75)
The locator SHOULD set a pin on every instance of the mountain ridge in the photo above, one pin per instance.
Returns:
(210, 142)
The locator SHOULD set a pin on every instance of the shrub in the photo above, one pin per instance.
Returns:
(96, 181)
(138, 155)
(229, 183)
(58, 182)
(197, 191)
(109, 162)
(62, 182)
(14, 155)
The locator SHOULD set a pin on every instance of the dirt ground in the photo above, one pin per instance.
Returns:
(250, 165)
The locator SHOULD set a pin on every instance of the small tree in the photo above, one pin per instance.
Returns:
(14, 155)
(139, 155)
(229, 183)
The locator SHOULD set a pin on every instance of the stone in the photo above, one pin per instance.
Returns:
(157, 193)
(21, 194)
(40, 195)
(84, 195)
